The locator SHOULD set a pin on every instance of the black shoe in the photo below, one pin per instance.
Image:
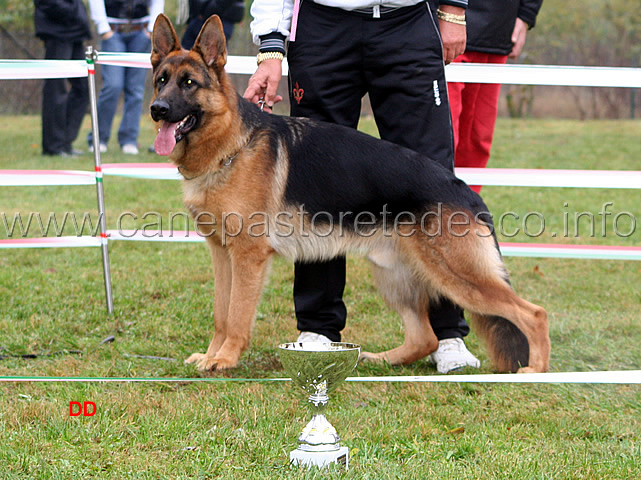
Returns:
(74, 152)
(57, 154)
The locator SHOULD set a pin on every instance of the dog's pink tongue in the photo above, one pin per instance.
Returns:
(165, 140)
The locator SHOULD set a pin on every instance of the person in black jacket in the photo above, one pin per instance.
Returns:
(63, 26)
(496, 30)
(229, 11)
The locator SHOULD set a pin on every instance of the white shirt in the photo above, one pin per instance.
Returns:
(276, 15)
(102, 21)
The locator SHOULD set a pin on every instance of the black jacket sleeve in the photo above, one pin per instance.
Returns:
(528, 10)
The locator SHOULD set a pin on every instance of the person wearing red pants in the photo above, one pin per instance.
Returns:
(496, 30)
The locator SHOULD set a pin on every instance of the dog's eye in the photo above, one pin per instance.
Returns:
(162, 80)
(189, 82)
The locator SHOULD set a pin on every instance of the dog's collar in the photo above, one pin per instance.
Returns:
(228, 161)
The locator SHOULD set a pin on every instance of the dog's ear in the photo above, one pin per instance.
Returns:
(164, 40)
(210, 43)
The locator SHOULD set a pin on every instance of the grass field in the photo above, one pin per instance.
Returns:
(52, 302)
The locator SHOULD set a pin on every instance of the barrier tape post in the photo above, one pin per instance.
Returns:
(91, 56)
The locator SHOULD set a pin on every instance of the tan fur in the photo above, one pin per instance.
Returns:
(410, 270)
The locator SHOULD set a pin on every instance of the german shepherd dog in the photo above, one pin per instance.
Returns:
(321, 191)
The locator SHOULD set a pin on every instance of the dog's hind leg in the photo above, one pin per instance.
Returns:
(469, 270)
(402, 293)
(521, 343)
(222, 290)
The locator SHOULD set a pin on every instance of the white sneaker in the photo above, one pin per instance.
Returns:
(306, 337)
(451, 355)
(130, 149)
(102, 147)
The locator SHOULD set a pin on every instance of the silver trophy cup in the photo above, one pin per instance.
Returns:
(318, 368)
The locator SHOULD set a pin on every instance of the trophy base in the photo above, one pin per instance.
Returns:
(320, 459)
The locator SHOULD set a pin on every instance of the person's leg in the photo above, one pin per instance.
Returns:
(78, 99)
(134, 88)
(464, 127)
(54, 101)
(405, 76)
(457, 96)
(324, 84)
(408, 91)
(465, 124)
(447, 319)
(478, 118)
(325, 74)
(113, 79)
(318, 297)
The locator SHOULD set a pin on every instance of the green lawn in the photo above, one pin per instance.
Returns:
(52, 302)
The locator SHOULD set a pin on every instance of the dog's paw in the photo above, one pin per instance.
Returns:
(202, 362)
(206, 363)
(194, 358)
(527, 370)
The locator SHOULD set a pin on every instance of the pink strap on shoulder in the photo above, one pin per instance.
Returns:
(292, 30)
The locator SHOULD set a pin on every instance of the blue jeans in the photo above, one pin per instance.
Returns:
(115, 81)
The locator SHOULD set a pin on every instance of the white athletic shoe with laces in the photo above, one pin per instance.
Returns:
(130, 149)
(452, 354)
(305, 337)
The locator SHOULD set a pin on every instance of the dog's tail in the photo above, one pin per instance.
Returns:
(506, 344)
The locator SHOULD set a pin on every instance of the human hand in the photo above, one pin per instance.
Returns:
(107, 35)
(263, 84)
(453, 35)
(518, 37)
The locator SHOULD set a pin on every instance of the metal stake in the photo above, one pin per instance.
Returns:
(91, 57)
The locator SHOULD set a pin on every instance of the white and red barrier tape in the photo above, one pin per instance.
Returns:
(15, 178)
(560, 75)
(537, 250)
(618, 179)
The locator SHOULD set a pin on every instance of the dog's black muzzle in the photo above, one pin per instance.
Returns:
(159, 109)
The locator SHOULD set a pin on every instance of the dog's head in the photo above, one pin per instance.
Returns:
(188, 85)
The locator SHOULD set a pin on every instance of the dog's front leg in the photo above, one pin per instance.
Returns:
(248, 271)
(222, 291)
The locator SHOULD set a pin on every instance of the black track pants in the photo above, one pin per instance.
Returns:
(337, 58)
